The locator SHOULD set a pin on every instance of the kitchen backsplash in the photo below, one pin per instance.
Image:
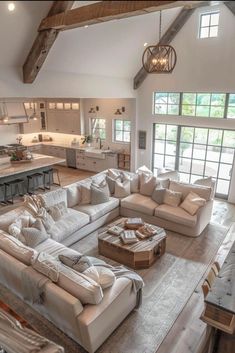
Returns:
(58, 138)
(8, 134)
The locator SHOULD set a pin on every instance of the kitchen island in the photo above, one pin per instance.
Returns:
(21, 170)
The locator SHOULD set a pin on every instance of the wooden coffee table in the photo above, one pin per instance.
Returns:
(138, 255)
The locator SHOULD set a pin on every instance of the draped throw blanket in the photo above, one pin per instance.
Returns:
(34, 285)
(137, 281)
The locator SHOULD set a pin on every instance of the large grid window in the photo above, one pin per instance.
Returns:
(196, 153)
(231, 106)
(98, 128)
(204, 104)
(122, 131)
(166, 103)
(209, 25)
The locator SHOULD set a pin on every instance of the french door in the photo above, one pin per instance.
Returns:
(196, 153)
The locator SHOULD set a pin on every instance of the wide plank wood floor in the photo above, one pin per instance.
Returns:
(188, 334)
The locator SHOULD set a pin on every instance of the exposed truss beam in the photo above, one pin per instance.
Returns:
(43, 44)
(105, 11)
(230, 5)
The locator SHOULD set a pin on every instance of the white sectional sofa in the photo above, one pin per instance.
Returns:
(91, 324)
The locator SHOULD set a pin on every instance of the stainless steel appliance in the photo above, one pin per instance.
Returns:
(71, 157)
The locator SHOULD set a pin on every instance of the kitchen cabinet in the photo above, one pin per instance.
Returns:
(55, 151)
(36, 149)
(64, 121)
(95, 164)
(40, 124)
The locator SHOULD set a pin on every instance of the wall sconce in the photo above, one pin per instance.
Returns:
(120, 111)
(93, 110)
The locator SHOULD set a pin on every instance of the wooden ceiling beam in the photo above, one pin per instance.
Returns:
(43, 44)
(169, 35)
(106, 11)
(230, 5)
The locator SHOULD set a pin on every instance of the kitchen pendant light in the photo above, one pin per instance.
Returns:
(4, 115)
(34, 115)
(160, 58)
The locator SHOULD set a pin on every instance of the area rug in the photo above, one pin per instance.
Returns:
(169, 284)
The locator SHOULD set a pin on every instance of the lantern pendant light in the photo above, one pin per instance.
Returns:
(160, 58)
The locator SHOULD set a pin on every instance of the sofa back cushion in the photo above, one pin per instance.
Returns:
(99, 193)
(73, 194)
(202, 191)
(147, 184)
(172, 198)
(35, 234)
(15, 248)
(54, 197)
(10, 217)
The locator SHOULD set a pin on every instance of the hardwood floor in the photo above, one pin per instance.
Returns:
(188, 334)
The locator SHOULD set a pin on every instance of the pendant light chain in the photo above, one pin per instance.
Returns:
(160, 26)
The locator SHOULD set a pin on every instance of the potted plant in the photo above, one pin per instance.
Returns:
(87, 139)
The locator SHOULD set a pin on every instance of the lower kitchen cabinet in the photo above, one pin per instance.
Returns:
(95, 164)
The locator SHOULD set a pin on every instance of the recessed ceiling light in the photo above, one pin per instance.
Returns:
(145, 44)
(86, 26)
(11, 6)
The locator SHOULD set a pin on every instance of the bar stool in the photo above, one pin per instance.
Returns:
(34, 179)
(3, 192)
(49, 174)
(10, 186)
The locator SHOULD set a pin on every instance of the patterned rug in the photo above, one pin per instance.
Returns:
(169, 284)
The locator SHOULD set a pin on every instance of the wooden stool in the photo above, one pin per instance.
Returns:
(50, 174)
(14, 184)
(3, 189)
(35, 182)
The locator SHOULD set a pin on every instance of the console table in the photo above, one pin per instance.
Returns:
(220, 302)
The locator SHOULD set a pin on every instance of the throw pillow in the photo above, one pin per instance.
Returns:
(111, 183)
(47, 265)
(134, 180)
(114, 174)
(172, 198)
(73, 195)
(122, 189)
(85, 190)
(165, 183)
(144, 170)
(75, 260)
(57, 211)
(46, 218)
(101, 275)
(15, 229)
(158, 195)
(35, 234)
(192, 203)
(147, 184)
(99, 193)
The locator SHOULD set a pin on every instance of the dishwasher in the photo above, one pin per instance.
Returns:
(71, 158)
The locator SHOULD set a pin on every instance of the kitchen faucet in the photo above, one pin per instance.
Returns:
(100, 141)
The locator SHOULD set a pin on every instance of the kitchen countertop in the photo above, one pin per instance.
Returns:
(39, 161)
(64, 145)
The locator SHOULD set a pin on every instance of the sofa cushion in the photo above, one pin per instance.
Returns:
(99, 193)
(147, 184)
(52, 198)
(76, 261)
(85, 190)
(140, 203)
(73, 194)
(175, 214)
(158, 195)
(101, 275)
(192, 203)
(58, 211)
(79, 285)
(68, 224)
(134, 180)
(122, 189)
(15, 228)
(15, 248)
(202, 191)
(35, 234)
(54, 248)
(47, 265)
(97, 211)
(172, 198)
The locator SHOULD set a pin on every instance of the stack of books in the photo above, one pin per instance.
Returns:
(134, 223)
(128, 237)
(148, 230)
(115, 230)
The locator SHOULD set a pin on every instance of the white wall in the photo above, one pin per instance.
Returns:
(107, 108)
(203, 65)
(66, 85)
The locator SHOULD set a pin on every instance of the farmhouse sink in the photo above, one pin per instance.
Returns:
(95, 153)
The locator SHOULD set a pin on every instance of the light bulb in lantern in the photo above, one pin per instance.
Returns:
(11, 6)
(154, 61)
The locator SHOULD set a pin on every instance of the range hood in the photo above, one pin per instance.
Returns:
(12, 113)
